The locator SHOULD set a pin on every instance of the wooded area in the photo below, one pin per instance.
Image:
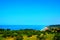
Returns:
(30, 34)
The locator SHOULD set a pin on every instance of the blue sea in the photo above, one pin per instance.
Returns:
(18, 27)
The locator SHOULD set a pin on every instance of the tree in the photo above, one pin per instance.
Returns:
(57, 36)
(19, 38)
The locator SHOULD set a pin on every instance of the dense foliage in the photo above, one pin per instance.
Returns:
(53, 34)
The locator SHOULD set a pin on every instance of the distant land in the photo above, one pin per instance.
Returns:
(18, 27)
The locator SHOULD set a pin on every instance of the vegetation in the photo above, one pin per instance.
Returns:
(30, 34)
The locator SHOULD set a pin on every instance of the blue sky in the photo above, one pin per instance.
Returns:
(29, 12)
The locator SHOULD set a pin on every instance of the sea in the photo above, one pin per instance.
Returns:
(18, 27)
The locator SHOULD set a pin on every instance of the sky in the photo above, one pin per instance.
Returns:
(29, 12)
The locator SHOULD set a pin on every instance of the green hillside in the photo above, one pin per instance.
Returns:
(30, 34)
